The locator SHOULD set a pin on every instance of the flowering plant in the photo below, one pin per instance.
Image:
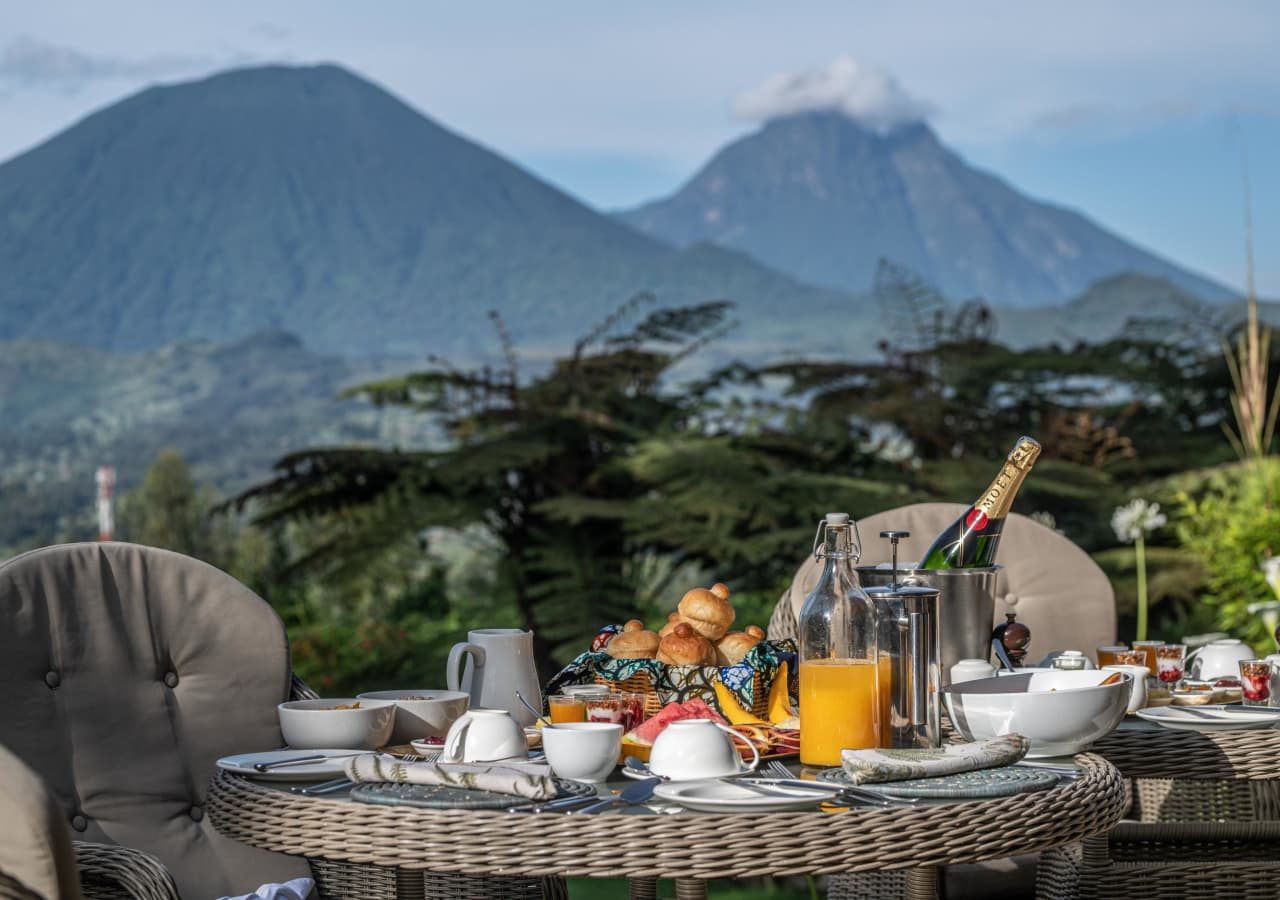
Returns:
(1132, 523)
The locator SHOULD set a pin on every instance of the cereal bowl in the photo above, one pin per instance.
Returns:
(421, 714)
(349, 724)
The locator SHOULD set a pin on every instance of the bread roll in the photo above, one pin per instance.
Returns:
(633, 642)
(731, 648)
(709, 614)
(672, 621)
(685, 647)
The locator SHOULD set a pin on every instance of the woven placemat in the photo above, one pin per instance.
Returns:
(1004, 781)
(439, 796)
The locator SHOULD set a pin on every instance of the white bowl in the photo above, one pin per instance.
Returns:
(315, 724)
(1060, 712)
(421, 714)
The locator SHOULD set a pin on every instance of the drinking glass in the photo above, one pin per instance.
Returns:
(567, 708)
(632, 709)
(1149, 648)
(611, 708)
(1255, 682)
(1107, 655)
(1133, 658)
(1170, 663)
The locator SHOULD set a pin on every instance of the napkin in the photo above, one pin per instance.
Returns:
(872, 766)
(526, 780)
(297, 889)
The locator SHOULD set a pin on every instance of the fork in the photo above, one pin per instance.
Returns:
(775, 769)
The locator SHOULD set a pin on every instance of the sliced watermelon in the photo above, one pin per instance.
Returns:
(695, 708)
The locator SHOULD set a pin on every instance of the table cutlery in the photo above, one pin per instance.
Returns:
(303, 760)
(552, 805)
(324, 787)
(636, 793)
(536, 715)
(640, 767)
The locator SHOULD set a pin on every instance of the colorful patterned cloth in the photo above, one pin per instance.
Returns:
(525, 780)
(872, 766)
(675, 684)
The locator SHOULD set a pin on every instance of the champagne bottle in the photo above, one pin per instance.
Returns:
(971, 540)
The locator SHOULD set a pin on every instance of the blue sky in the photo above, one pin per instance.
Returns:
(1135, 113)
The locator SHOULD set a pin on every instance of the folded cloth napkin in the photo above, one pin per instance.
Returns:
(297, 889)
(524, 780)
(871, 766)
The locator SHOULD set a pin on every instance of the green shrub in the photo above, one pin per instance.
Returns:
(1230, 522)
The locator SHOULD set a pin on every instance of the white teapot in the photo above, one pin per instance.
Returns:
(1218, 659)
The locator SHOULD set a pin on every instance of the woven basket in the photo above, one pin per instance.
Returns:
(641, 684)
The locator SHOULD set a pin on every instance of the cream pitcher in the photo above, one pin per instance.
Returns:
(499, 663)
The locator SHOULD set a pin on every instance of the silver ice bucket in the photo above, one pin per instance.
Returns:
(966, 607)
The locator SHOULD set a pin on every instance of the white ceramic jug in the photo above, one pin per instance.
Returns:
(1218, 659)
(499, 663)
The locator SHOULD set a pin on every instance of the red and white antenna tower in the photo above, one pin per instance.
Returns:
(106, 479)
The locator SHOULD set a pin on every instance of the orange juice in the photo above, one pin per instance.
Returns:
(884, 687)
(839, 708)
(567, 709)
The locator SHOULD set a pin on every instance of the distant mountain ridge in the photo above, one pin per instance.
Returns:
(823, 198)
(312, 200)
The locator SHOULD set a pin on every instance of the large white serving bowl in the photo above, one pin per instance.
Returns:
(311, 724)
(1060, 712)
(421, 713)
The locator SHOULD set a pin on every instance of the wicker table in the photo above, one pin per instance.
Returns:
(688, 847)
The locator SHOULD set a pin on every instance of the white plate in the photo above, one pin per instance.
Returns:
(718, 796)
(320, 770)
(1211, 718)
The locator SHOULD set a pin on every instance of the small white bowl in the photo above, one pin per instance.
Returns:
(583, 751)
(1060, 712)
(316, 724)
(421, 714)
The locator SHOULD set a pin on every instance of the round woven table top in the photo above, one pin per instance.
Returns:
(676, 845)
(1142, 750)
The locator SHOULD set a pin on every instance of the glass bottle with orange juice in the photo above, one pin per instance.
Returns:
(839, 699)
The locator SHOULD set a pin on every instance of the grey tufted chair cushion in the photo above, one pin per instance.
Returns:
(1054, 586)
(35, 845)
(126, 672)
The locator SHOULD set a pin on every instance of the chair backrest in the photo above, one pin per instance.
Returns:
(126, 672)
(35, 845)
(1055, 587)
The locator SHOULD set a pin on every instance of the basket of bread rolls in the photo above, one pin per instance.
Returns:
(695, 654)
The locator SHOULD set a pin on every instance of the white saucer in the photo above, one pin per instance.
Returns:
(320, 770)
(718, 796)
(640, 776)
(1211, 718)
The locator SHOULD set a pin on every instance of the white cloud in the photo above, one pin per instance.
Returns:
(29, 61)
(844, 85)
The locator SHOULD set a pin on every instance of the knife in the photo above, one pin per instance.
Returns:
(636, 793)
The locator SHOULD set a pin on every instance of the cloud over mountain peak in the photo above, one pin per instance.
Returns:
(857, 89)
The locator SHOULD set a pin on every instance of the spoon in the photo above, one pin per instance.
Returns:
(537, 715)
(998, 646)
(636, 764)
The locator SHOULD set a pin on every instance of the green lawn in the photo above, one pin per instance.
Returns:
(758, 889)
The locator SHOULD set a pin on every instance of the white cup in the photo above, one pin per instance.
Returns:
(699, 748)
(583, 751)
(971, 670)
(1138, 689)
(484, 735)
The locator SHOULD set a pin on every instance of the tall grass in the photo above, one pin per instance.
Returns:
(1253, 406)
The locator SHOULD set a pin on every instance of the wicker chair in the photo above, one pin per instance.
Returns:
(1172, 861)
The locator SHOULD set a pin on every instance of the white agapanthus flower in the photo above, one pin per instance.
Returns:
(1271, 568)
(1136, 519)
